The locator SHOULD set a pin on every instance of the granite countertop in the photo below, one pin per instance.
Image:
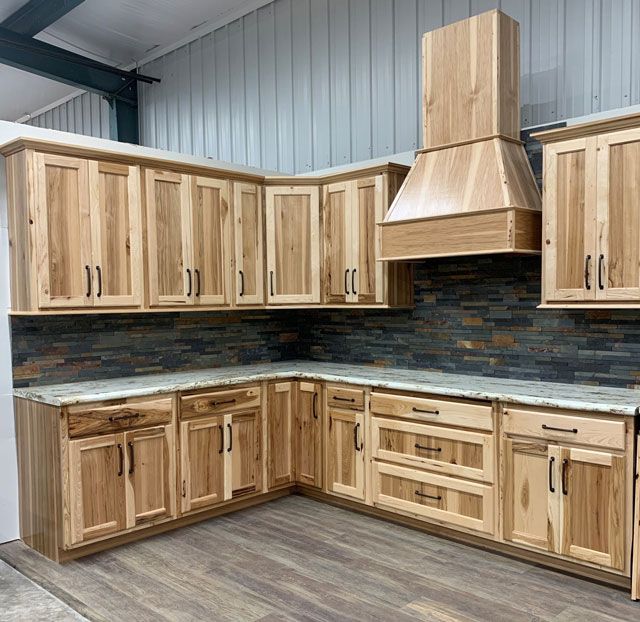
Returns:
(532, 393)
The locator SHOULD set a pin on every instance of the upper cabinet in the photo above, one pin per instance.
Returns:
(591, 250)
(293, 244)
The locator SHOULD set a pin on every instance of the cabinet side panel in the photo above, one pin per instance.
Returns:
(37, 437)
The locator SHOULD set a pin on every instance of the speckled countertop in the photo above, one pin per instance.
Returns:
(532, 393)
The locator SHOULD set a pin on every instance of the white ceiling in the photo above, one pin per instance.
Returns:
(117, 32)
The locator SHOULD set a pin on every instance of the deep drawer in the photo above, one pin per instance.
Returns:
(341, 397)
(219, 402)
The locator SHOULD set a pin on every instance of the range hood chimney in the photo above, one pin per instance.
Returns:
(471, 190)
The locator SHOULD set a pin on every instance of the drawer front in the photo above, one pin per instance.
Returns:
(449, 501)
(341, 397)
(445, 450)
(476, 416)
(564, 428)
(219, 402)
(86, 421)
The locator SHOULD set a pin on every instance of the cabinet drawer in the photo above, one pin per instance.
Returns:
(564, 428)
(460, 414)
(446, 450)
(219, 402)
(341, 397)
(447, 500)
(84, 420)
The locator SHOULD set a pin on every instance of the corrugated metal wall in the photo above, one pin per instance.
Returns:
(300, 85)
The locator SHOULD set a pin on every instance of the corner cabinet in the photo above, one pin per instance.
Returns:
(591, 249)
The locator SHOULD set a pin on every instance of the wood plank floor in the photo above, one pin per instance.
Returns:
(298, 559)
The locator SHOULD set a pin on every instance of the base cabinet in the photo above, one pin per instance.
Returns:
(280, 422)
(308, 434)
(345, 453)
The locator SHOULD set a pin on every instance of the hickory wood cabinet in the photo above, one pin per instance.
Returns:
(308, 434)
(591, 250)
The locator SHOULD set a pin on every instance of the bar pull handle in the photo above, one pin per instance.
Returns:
(565, 464)
(424, 448)
(353, 281)
(88, 270)
(132, 464)
(189, 287)
(426, 412)
(346, 282)
(222, 402)
(587, 272)
(121, 460)
(271, 282)
(600, 266)
(551, 463)
(314, 408)
(197, 273)
(230, 437)
(357, 444)
(549, 427)
(115, 418)
(344, 399)
(221, 428)
(99, 271)
(422, 494)
(241, 273)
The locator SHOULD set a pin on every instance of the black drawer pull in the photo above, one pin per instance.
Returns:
(565, 464)
(550, 427)
(346, 282)
(132, 463)
(343, 399)
(99, 271)
(230, 437)
(115, 418)
(88, 269)
(422, 494)
(600, 266)
(427, 412)
(241, 273)
(353, 281)
(587, 274)
(314, 407)
(222, 402)
(121, 460)
(197, 273)
(418, 446)
(271, 282)
(356, 428)
(221, 428)
(551, 462)
(189, 287)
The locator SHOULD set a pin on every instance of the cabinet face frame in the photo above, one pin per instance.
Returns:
(338, 453)
(310, 271)
(308, 445)
(82, 267)
(244, 230)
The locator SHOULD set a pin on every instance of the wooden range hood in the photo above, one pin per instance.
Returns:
(471, 190)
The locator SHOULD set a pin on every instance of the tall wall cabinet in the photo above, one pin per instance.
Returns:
(591, 249)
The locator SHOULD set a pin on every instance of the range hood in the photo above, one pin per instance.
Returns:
(471, 190)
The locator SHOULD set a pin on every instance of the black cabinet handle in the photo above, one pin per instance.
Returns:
(132, 463)
(549, 427)
(190, 284)
(197, 273)
(346, 282)
(121, 458)
(271, 281)
(356, 429)
(422, 494)
(344, 399)
(551, 463)
(587, 275)
(427, 412)
(230, 437)
(88, 269)
(99, 271)
(222, 402)
(565, 464)
(418, 446)
(114, 418)
(600, 266)
(241, 273)
(221, 428)
(315, 405)
(353, 281)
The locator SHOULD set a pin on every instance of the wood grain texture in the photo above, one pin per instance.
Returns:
(245, 455)
(309, 419)
(345, 456)
(280, 422)
(201, 403)
(337, 242)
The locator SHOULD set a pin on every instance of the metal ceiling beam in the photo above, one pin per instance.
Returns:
(36, 15)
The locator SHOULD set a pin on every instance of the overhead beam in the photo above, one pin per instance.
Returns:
(36, 15)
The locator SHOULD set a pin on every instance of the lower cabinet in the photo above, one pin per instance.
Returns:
(345, 452)
(308, 436)
(280, 441)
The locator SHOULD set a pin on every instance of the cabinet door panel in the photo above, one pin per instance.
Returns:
(570, 212)
(169, 239)
(336, 217)
(245, 455)
(247, 205)
(293, 245)
(116, 234)
(203, 462)
(346, 453)
(593, 507)
(618, 269)
(211, 241)
(280, 433)
(96, 487)
(150, 475)
(635, 571)
(309, 435)
(63, 232)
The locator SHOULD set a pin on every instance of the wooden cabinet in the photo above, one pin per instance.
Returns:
(635, 571)
(345, 452)
(293, 244)
(244, 453)
(249, 248)
(308, 437)
(591, 214)
(280, 441)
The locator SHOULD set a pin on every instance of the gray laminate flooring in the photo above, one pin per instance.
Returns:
(298, 559)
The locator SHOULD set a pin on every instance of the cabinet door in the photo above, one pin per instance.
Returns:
(308, 445)
(618, 261)
(151, 477)
(203, 444)
(569, 219)
(346, 453)
(531, 494)
(368, 209)
(244, 455)
(280, 428)
(63, 232)
(336, 220)
(96, 487)
(116, 234)
(635, 571)
(247, 208)
(293, 244)
(169, 239)
(593, 507)
(211, 241)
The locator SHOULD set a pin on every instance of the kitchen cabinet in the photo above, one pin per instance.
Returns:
(244, 453)
(635, 571)
(280, 440)
(591, 250)
(293, 244)
(308, 440)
